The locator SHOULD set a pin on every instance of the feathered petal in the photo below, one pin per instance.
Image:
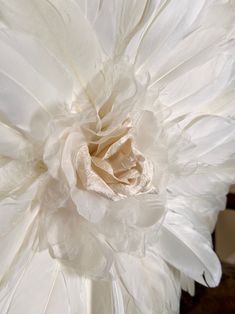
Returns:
(183, 246)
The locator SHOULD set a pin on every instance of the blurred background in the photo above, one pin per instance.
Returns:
(221, 299)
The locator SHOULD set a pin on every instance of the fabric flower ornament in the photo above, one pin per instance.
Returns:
(116, 151)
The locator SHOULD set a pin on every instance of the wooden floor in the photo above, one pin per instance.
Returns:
(220, 300)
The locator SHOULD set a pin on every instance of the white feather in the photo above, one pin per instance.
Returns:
(183, 246)
(66, 250)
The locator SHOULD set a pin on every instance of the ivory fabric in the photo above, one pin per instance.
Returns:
(117, 150)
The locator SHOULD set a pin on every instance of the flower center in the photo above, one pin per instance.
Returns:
(109, 164)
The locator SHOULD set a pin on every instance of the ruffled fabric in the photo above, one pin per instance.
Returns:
(117, 140)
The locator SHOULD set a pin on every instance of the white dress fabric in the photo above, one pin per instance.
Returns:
(117, 149)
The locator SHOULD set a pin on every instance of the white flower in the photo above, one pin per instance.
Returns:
(116, 151)
(96, 157)
(97, 148)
